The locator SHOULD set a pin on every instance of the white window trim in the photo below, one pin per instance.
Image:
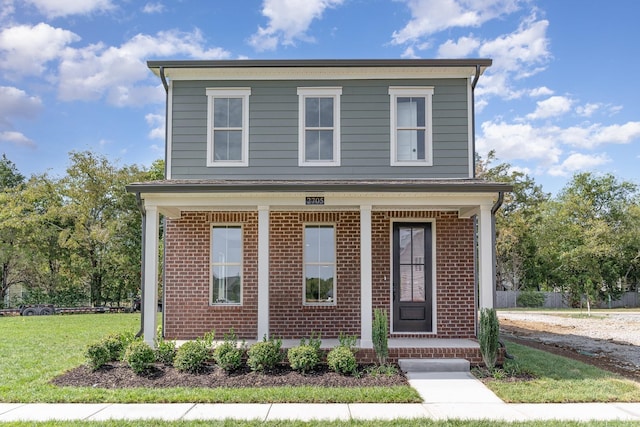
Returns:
(231, 92)
(335, 266)
(403, 91)
(313, 92)
(226, 304)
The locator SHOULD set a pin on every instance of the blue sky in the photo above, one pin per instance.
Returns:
(562, 95)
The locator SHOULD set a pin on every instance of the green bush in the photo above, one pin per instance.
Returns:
(342, 360)
(488, 336)
(140, 357)
(166, 352)
(379, 335)
(116, 344)
(303, 358)
(348, 341)
(264, 355)
(97, 355)
(227, 355)
(530, 299)
(191, 357)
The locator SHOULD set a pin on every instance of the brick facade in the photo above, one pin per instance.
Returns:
(188, 313)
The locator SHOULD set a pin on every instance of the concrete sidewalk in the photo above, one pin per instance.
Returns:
(446, 395)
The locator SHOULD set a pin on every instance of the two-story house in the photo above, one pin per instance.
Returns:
(300, 195)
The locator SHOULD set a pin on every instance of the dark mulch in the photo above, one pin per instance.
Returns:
(118, 375)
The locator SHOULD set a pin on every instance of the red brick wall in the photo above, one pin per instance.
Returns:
(289, 318)
(189, 314)
(454, 269)
(187, 279)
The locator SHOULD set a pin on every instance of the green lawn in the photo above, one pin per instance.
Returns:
(562, 380)
(36, 349)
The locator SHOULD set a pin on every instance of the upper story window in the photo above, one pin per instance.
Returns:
(319, 285)
(228, 126)
(226, 264)
(411, 128)
(319, 126)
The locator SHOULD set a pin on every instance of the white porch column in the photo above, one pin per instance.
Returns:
(366, 298)
(150, 300)
(263, 272)
(485, 258)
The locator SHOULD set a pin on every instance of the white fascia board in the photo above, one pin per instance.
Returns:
(172, 204)
(318, 73)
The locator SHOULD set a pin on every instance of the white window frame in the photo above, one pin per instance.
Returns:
(231, 92)
(426, 92)
(319, 92)
(212, 264)
(335, 265)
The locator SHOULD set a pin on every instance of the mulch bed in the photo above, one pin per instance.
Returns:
(118, 375)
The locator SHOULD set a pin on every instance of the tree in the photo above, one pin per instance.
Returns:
(10, 182)
(591, 239)
(518, 263)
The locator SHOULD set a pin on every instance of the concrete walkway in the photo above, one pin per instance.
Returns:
(446, 395)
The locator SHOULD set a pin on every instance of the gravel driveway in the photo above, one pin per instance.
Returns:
(614, 336)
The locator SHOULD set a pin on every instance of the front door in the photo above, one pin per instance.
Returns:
(412, 299)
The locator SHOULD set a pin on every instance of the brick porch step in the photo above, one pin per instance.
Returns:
(434, 365)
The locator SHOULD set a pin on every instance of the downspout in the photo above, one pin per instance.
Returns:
(473, 117)
(166, 173)
(142, 266)
(494, 261)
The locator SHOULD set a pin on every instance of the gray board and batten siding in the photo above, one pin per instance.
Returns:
(365, 131)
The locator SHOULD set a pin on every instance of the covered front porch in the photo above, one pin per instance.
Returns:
(467, 199)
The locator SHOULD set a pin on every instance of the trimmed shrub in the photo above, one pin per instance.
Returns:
(116, 344)
(379, 335)
(265, 355)
(166, 352)
(488, 336)
(227, 355)
(191, 357)
(530, 299)
(97, 355)
(140, 357)
(342, 360)
(306, 356)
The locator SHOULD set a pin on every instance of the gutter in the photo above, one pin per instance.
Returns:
(142, 256)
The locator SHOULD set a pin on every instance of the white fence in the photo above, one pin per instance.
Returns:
(508, 299)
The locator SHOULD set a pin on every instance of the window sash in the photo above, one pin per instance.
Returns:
(226, 264)
(228, 126)
(319, 126)
(319, 284)
(411, 126)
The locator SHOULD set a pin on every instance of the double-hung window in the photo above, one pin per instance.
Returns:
(226, 264)
(411, 127)
(319, 286)
(228, 126)
(319, 126)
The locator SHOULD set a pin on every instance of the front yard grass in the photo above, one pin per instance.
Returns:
(36, 349)
(561, 380)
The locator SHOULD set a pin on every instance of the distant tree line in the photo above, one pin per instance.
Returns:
(584, 242)
(73, 240)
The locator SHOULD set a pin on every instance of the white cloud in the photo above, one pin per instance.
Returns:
(589, 137)
(588, 109)
(578, 161)
(520, 141)
(16, 138)
(458, 49)
(409, 53)
(431, 16)
(289, 21)
(17, 103)
(97, 70)
(540, 91)
(153, 8)
(157, 124)
(551, 107)
(57, 8)
(25, 50)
